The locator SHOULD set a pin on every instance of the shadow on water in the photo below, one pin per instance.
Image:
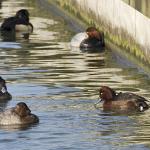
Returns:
(13, 128)
(61, 85)
(3, 104)
(13, 36)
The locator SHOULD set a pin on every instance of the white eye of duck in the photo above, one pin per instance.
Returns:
(101, 93)
(141, 108)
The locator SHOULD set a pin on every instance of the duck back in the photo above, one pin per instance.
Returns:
(9, 118)
(133, 99)
(129, 96)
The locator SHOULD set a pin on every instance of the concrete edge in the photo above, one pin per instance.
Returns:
(77, 26)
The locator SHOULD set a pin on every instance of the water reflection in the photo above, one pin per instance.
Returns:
(1, 3)
(14, 36)
(14, 128)
(10, 45)
(61, 85)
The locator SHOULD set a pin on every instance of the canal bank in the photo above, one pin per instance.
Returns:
(122, 24)
(77, 22)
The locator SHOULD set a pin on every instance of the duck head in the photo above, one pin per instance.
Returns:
(24, 113)
(22, 21)
(106, 93)
(23, 14)
(92, 32)
(22, 109)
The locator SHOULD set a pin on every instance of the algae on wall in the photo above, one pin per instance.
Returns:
(117, 34)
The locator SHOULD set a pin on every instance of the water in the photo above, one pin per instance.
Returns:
(60, 85)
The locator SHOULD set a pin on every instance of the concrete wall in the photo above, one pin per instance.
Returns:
(123, 24)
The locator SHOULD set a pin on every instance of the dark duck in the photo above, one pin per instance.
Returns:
(122, 101)
(4, 94)
(19, 22)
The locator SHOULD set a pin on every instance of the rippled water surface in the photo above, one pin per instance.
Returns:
(61, 84)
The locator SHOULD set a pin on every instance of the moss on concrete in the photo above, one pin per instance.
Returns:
(90, 19)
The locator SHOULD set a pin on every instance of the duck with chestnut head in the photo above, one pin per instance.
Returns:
(122, 101)
(90, 39)
(95, 39)
(19, 115)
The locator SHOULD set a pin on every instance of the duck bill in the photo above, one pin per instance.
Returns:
(99, 101)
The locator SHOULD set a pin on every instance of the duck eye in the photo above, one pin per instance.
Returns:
(101, 93)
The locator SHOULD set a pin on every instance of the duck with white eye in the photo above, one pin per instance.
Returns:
(18, 23)
(121, 102)
(90, 39)
(18, 115)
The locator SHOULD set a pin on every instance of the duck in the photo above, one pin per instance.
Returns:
(4, 94)
(18, 115)
(90, 39)
(18, 23)
(122, 101)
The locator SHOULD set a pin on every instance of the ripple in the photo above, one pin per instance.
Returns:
(7, 45)
(61, 85)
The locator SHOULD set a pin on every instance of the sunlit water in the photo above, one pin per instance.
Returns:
(61, 84)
